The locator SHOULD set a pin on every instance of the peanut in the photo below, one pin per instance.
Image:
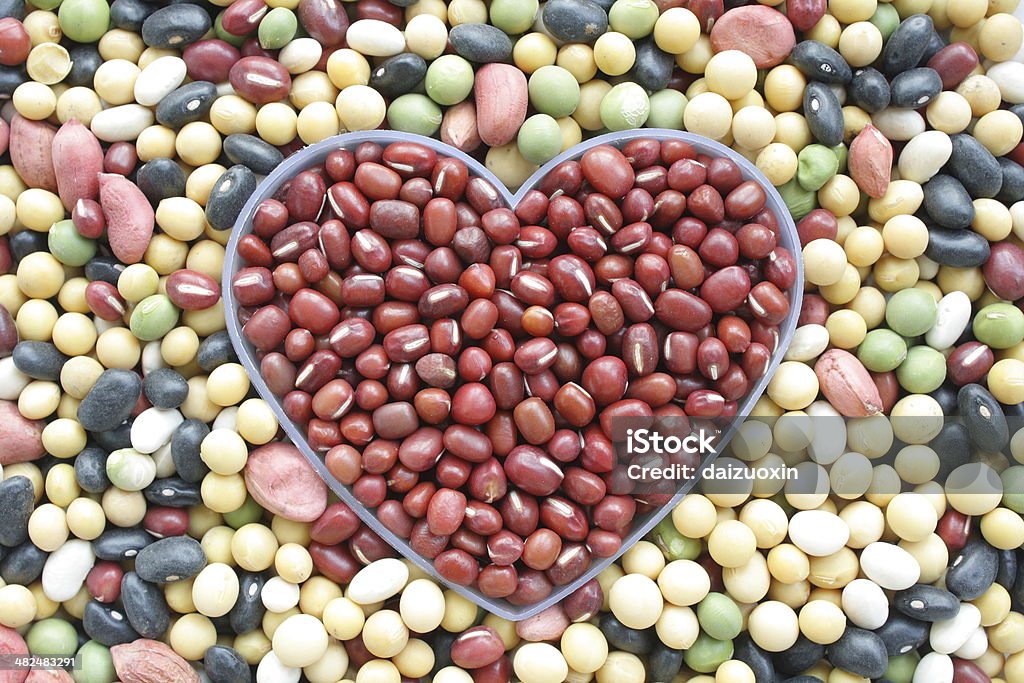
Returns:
(870, 161)
(458, 128)
(763, 33)
(31, 143)
(129, 215)
(150, 661)
(847, 384)
(283, 482)
(78, 162)
(501, 99)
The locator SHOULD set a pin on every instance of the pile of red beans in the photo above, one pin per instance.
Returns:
(461, 364)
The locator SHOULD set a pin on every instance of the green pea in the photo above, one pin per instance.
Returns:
(667, 107)
(799, 201)
(1013, 488)
(999, 325)
(414, 113)
(707, 654)
(901, 668)
(885, 19)
(719, 616)
(673, 544)
(52, 637)
(247, 514)
(277, 28)
(230, 38)
(923, 371)
(46, 4)
(539, 139)
(817, 164)
(634, 18)
(911, 312)
(882, 350)
(84, 21)
(449, 79)
(130, 470)
(68, 246)
(153, 317)
(554, 91)
(97, 666)
(843, 154)
(513, 16)
(625, 107)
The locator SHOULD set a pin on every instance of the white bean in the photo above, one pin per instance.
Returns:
(949, 635)
(66, 568)
(924, 156)
(159, 79)
(375, 38)
(122, 124)
(818, 533)
(378, 581)
(890, 566)
(153, 428)
(899, 124)
(934, 668)
(865, 604)
(809, 342)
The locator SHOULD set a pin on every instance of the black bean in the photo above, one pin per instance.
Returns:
(926, 603)
(821, 63)
(953, 442)
(176, 26)
(800, 657)
(91, 470)
(251, 151)
(398, 75)
(574, 21)
(106, 625)
(860, 652)
(170, 559)
(1012, 189)
(173, 492)
(12, 8)
(823, 113)
(10, 78)
(247, 613)
(130, 14)
(110, 401)
(117, 545)
(984, 418)
(759, 661)
(907, 44)
(39, 360)
(85, 59)
(1017, 591)
(947, 202)
(185, 442)
(102, 268)
(663, 663)
(652, 68)
(165, 388)
(957, 248)
(1007, 568)
(17, 499)
(935, 43)
(804, 679)
(480, 43)
(869, 90)
(975, 167)
(902, 634)
(915, 88)
(186, 104)
(1018, 111)
(223, 664)
(973, 571)
(159, 179)
(27, 242)
(118, 437)
(621, 637)
(228, 196)
(145, 606)
(443, 650)
(23, 564)
(215, 350)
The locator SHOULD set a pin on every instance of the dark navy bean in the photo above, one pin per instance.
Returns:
(223, 664)
(165, 388)
(652, 68)
(975, 167)
(575, 21)
(130, 14)
(1018, 111)
(621, 637)
(107, 625)
(10, 78)
(215, 350)
(915, 88)
(118, 437)
(663, 663)
(260, 156)
(39, 360)
(186, 104)
(805, 679)
(145, 606)
(443, 650)
(480, 43)
(957, 248)
(907, 45)
(170, 559)
(1017, 592)
(121, 544)
(973, 571)
(247, 613)
(759, 661)
(946, 394)
(23, 564)
(102, 268)
(175, 26)
(935, 43)
(27, 242)
(173, 492)
(859, 652)
(159, 179)
(185, 442)
(926, 603)
(85, 59)
(1012, 189)
(821, 63)
(91, 470)
(947, 202)
(800, 657)
(823, 113)
(901, 633)
(228, 196)
(1007, 568)
(398, 75)
(12, 8)
(984, 418)
(110, 401)
(17, 498)
(869, 90)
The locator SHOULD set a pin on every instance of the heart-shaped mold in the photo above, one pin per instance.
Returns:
(643, 523)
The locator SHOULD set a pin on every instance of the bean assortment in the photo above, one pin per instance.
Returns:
(153, 524)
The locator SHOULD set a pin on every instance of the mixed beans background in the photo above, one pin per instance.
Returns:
(151, 521)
